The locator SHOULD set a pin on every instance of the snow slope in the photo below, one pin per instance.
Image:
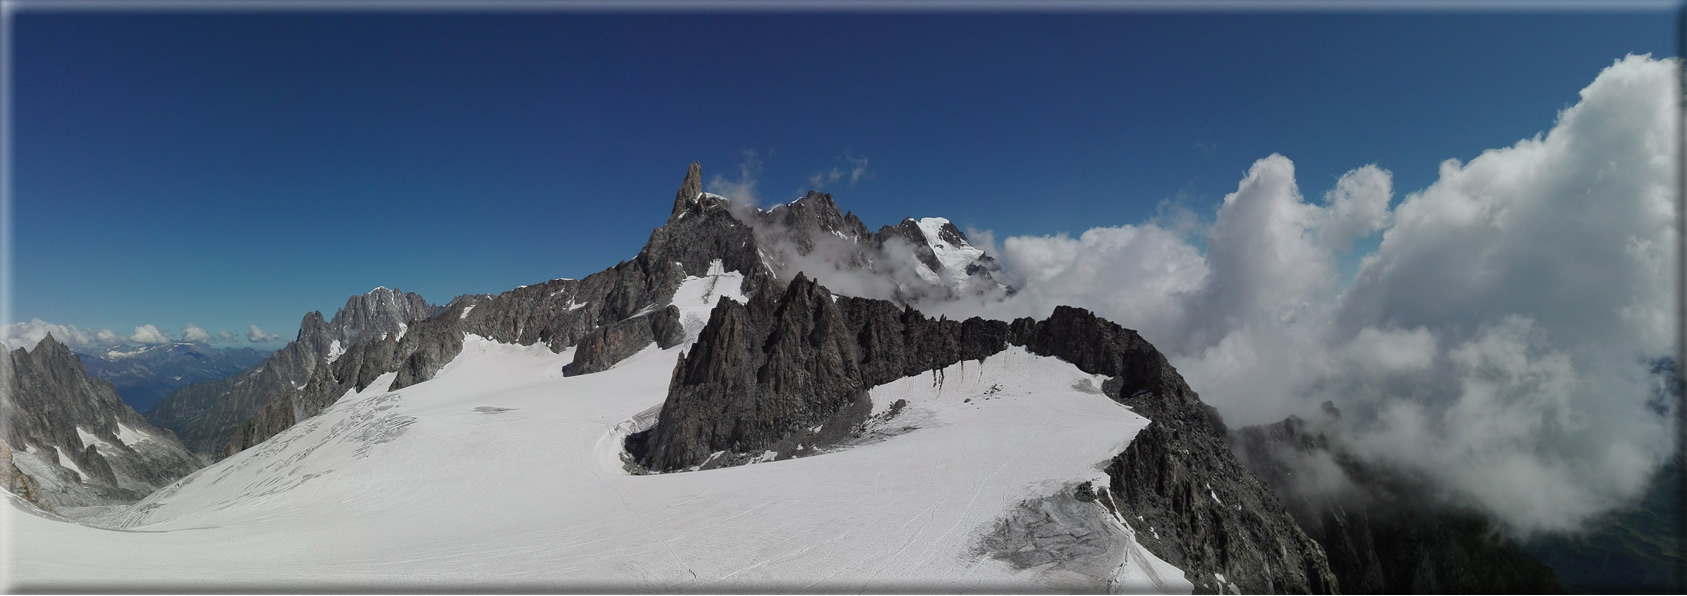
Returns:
(953, 257)
(502, 474)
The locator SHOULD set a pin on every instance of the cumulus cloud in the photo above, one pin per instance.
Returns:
(194, 333)
(1500, 341)
(1357, 207)
(26, 335)
(226, 336)
(148, 334)
(257, 336)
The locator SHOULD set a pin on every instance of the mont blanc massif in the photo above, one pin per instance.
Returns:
(728, 410)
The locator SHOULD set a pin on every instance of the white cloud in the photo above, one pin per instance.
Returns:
(858, 168)
(148, 334)
(1497, 341)
(26, 335)
(195, 334)
(742, 192)
(819, 180)
(257, 336)
(1141, 274)
(1357, 207)
(846, 166)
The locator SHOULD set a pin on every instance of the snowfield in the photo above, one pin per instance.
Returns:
(502, 474)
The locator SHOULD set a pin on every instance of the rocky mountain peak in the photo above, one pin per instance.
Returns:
(381, 311)
(74, 436)
(55, 358)
(51, 343)
(689, 189)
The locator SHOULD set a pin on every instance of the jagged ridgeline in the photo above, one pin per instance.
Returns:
(609, 315)
(205, 414)
(795, 363)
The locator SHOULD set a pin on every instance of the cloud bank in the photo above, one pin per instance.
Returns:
(1500, 340)
(26, 335)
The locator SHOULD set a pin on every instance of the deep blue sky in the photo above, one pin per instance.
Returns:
(230, 169)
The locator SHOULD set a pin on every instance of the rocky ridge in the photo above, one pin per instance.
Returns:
(785, 363)
(72, 441)
(609, 315)
(910, 262)
(612, 314)
(204, 415)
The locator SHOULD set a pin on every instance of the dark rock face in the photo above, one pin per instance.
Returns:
(1178, 474)
(689, 189)
(617, 341)
(764, 371)
(909, 231)
(1383, 532)
(813, 236)
(809, 220)
(50, 403)
(143, 376)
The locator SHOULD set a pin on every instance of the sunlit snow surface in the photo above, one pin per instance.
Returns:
(954, 258)
(501, 473)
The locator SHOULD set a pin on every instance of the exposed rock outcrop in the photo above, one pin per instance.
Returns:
(902, 263)
(789, 361)
(1382, 531)
(74, 438)
(19, 483)
(617, 341)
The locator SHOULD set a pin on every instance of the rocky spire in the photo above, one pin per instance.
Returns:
(688, 190)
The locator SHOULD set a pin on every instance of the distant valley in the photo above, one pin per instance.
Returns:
(143, 375)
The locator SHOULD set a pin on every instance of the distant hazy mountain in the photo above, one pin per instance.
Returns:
(143, 375)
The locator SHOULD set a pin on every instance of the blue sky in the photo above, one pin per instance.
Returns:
(231, 169)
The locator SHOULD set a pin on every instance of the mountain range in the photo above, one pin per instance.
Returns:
(753, 401)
